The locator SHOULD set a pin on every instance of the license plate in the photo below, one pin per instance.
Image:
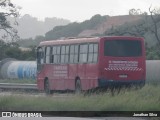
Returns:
(123, 76)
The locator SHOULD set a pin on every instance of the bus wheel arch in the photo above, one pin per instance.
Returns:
(47, 86)
(78, 86)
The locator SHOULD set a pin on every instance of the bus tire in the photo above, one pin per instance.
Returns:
(46, 87)
(78, 88)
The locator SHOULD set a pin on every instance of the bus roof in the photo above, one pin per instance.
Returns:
(80, 40)
(69, 41)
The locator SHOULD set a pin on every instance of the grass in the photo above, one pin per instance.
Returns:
(145, 99)
(33, 81)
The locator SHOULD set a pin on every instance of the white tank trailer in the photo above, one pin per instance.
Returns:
(153, 70)
(13, 69)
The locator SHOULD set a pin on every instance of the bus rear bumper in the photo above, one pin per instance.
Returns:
(119, 83)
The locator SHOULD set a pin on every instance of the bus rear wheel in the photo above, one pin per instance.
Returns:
(78, 88)
(46, 87)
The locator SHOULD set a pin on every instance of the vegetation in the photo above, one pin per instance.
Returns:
(6, 28)
(73, 29)
(8, 36)
(12, 50)
(30, 42)
(152, 53)
(127, 100)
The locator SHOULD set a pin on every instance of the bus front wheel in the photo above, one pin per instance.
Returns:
(78, 88)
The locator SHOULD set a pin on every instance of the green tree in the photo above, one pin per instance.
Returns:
(136, 12)
(8, 34)
(74, 29)
(8, 10)
(13, 52)
(155, 16)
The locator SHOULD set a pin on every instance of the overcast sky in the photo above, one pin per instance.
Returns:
(80, 10)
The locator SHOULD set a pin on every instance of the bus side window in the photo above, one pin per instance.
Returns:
(47, 54)
(63, 51)
(90, 53)
(53, 56)
(71, 54)
(40, 56)
(83, 53)
(76, 54)
(58, 54)
(67, 54)
(95, 53)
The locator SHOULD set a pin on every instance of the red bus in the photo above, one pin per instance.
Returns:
(88, 63)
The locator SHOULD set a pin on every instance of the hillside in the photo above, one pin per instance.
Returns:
(97, 25)
(74, 29)
(109, 23)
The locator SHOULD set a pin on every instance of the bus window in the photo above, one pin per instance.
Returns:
(67, 54)
(93, 52)
(53, 60)
(40, 58)
(123, 48)
(64, 54)
(58, 54)
(90, 53)
(76, 54)
(55, 54)
(63, 51)
(40, 55)
(83, 53)
(71, 55)
(47, 55)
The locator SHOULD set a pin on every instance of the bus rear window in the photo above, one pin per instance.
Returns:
(123, 48)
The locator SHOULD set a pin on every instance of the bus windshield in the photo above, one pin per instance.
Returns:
(123, 48)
